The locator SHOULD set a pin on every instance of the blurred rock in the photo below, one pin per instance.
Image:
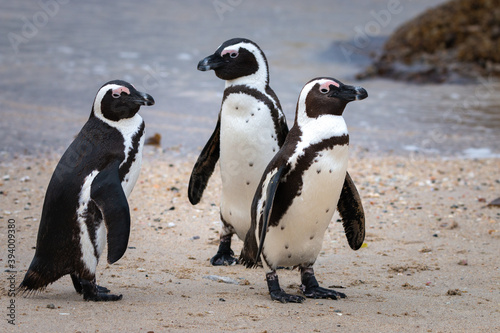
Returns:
(154, 140)
(457, 41)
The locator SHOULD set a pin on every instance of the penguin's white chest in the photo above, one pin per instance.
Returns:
(130, 129)
(298, 237)
(92, 250)
(247, 143)
(131, 177)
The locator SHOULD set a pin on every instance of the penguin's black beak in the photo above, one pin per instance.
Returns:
(213, 61)
(144, 99)
(349, 93)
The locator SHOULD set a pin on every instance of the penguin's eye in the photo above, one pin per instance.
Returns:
(233, 54)
(324, 90)
(115, 95)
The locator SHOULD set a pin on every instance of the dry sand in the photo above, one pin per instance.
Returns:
(430, 264)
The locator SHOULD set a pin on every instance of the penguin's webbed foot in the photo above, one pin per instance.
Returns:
(102, 297)
(320, 292)
(311, 288)
(283, 297)
(224, 256)
(77, 283)
(102, 289)
(223, 260)
(95, 293)
(278, 294)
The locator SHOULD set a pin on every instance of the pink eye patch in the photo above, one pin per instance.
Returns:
(118, 91)
(226, 51)
(326, 85)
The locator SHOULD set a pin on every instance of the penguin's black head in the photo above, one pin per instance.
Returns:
(235, 58)
(118, 99)
(327, 95)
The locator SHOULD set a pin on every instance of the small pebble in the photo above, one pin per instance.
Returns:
(454, 292)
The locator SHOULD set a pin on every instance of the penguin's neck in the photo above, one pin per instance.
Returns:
(312, 131)
(258, 80)
(321, 128)
(127, 126)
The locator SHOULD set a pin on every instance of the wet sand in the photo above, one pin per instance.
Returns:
(430, 263)
(49, 80)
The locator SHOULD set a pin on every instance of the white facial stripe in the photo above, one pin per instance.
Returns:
(322, 84)
(315, 130)
(301, 108)
(236, 47)
(126, 126)
(256, 80)
(100, 96)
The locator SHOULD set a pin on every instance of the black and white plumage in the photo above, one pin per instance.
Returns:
(250, 130)
(86, 200)
(301, 188)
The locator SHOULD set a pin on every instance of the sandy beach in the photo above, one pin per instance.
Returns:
(430, 263)
(423, 157)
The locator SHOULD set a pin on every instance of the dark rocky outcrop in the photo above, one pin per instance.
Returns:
(456, 41)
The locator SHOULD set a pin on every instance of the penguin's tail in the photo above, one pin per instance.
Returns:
(32, 283)
(248, 262)
(37, 278)
(249, 251)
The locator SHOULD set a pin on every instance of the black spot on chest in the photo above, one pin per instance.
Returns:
(280, 126)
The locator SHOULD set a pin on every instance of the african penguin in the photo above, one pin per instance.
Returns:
(250, 130)
(86, 200)
(300, 189)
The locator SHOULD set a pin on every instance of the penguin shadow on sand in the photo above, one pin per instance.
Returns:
(301, 188)
(86, 204)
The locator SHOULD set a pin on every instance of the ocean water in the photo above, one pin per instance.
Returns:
(55, 54)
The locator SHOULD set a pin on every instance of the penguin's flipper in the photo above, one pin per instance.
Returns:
(107, 193)
(204, 166)
(272, 187)
(351, 210)
(280, 124)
